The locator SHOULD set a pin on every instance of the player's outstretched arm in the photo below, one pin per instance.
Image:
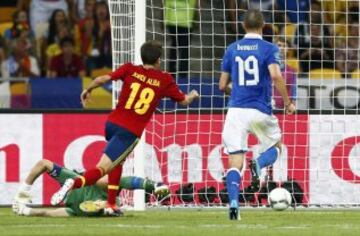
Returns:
(280, 86)
(224, 84)
(97, 82)
(58, 212)
(189, 98)
(23, 210)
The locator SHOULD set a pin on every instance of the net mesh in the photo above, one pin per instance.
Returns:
(319, 43)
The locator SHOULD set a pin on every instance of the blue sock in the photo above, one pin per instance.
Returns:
(232, 184)
(137, 183)
(268, 157)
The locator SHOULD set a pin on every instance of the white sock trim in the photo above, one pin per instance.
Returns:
(278, 151)
(25, 187)
(235, 169)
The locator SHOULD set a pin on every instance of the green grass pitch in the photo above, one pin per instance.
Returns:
(188, 222)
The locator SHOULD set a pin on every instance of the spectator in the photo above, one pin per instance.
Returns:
(296, 10)
(57, 20)
(314, 44)
(51, 39)
(315, 12)
(288, 74)
(23, 5)
(335, 11)
(20, 21)
(265, 6)
(338, 15)
(179, 19)
(2, 51)
(237, 11)
(353, 11)
(267, 9)
(54, 49)
(20, 63)
(41, 10)
(85, 27)
(280, 20)
(67, 64)
(100, 54)
(81, 10)
(19, 29)
(347, 54)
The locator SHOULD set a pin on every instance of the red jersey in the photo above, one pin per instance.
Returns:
(73, 69)
(141, 93)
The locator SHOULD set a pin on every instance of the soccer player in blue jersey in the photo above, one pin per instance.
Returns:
(250, 66)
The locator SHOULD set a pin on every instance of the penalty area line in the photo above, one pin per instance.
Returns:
(219, 226)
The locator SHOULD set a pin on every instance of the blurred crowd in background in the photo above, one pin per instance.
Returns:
(72, 38)
(55, 38)
(320, 34)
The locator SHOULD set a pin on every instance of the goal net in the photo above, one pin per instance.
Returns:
(319, 45)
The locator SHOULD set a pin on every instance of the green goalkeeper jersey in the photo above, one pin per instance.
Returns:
(77, 196)
(94, 193)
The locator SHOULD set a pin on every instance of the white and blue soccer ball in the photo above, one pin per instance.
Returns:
(279, 199)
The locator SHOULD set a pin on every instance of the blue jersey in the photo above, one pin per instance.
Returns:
(247, 62)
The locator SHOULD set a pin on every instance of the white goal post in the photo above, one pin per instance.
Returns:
(128, 14)
(182, 146)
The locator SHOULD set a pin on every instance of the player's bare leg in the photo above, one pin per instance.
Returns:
(23, 194)
(267, 158)
(103, 182)
(89, 177)
(233, 179)
(40, 168)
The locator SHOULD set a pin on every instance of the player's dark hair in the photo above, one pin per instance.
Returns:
(53, 27)
(253, 19)
(151, 52)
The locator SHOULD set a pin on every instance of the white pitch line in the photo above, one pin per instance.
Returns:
(255, 226)
(215, 226)
(40, 226)
(294, 227)
(137, 226)
(342, 226)
(322, 212)
(219, 226)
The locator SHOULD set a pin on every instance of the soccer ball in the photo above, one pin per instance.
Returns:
(279, 199)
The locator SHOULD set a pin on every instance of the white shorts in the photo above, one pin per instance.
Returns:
(240, 122)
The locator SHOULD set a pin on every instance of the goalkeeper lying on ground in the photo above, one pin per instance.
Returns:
(87, 201)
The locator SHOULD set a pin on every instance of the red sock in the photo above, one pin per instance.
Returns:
(88, 178)
(113, 184)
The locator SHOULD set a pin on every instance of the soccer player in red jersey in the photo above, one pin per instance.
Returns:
(143, 88)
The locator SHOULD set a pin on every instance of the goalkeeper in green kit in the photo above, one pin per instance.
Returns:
(87, 201)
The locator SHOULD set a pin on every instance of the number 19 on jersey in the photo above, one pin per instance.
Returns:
(249, 66)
